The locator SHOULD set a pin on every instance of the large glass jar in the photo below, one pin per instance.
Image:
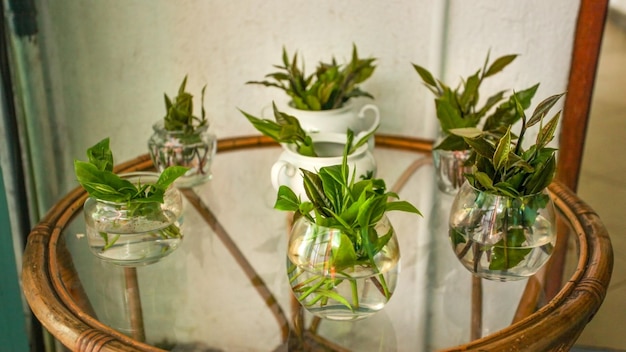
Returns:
(502, 238)
(331, 275)
(194, 150)
(132, 234)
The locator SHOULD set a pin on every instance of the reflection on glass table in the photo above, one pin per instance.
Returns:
(226, 288)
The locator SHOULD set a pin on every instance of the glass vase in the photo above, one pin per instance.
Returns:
(502, 238)
(450, 169)
(333, 277)
(194, 150)
(132, 234)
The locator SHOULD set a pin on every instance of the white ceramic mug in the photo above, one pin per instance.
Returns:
(286, 170)
(332, 121)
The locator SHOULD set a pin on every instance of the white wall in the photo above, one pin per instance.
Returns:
(108, 63)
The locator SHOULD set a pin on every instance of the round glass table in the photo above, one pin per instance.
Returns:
(226, 288)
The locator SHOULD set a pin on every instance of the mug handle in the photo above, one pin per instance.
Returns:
(280, 177)
(361, 116)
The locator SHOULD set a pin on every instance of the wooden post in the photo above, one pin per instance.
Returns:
(134, 304)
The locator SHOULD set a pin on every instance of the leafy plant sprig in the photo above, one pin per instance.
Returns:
(97, 178)
(179, 113)
(502, 166)
(337, 201)
(458, 107)
(287, 129)
(328, 88)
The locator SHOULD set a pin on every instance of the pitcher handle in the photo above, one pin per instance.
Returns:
(361, 116)
(374, 108)
(279, 171)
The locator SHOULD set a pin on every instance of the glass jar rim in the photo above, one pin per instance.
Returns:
(491, 194)
(159, 127)
(384, 217)
(153, 176)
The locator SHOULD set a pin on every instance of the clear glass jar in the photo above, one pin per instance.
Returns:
(194, 150)
(136, 233)
(450, 169)
(502, 238)
(332, 280)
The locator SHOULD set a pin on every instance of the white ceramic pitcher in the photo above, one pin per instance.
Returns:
(286, 170)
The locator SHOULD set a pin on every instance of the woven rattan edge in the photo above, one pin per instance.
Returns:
(564, 316)
(557, 325)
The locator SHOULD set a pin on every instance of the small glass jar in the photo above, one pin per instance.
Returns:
(450, 168)
(333, 278)
(133, 234)
(502, 238)
(194, 150)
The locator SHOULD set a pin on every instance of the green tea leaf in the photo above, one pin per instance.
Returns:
(482, 147)
(452, 142)
(542, 109)
(506, 113)
(468, 132)
(402, 206)
(314, 190)
(105, 192)
(484, 180)
(329, 87)
(344, 255)
(449, 117)
(546, 134)
(363, 140)
(508, 252)
(542, 177)
(491, 102)
(334, 296)
(286, 129)
(499, 65)
(332, 184)
(105, 185)
(506, 189)
(501, 155)
(469, 97)
(286, 199)
(179, 112)
(169, 175)
(100, 155)
(426, 76)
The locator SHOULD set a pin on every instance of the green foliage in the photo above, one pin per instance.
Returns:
(179, 113)
(354, 207)
(337, 201)
(328, 88)
(286, 129)
(501, 165)
(458, 108)
(98, 179)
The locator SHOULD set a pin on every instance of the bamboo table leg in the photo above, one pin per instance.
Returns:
(477, 308)
(134, 304)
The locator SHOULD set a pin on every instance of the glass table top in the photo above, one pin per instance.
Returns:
(226, 288)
